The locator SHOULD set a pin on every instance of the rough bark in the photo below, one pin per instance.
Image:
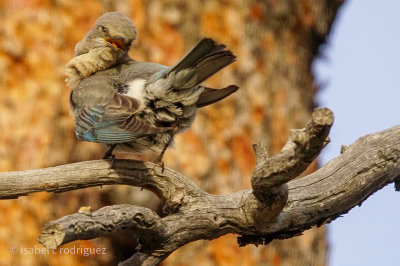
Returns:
(278, 207)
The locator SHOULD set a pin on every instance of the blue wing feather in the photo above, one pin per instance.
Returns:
(113, 122)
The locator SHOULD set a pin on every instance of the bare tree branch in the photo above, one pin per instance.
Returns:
(165, 183)
(143, 222)
(300, 150)
(278, 208)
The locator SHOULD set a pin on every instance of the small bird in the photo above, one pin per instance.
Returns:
(132, 105)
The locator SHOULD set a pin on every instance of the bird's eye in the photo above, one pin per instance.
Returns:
(103, 29)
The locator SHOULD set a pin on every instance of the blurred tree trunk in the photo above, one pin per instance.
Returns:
(275, 42)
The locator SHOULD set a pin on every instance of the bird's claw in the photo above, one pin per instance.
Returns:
(159, 162)
(109, 156)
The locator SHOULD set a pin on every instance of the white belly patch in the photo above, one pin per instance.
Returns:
(136, 90)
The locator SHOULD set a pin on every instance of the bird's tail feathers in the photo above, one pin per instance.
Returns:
(210, 95)
(200, 63)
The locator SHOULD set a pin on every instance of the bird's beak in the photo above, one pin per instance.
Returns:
(117, 42)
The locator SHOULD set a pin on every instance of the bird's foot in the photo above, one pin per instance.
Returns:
(109, 156)
(159, 158)
(159, 161)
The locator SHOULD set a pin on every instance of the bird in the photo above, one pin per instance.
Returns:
(130, 105)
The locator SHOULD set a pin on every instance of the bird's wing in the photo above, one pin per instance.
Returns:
(114, 121)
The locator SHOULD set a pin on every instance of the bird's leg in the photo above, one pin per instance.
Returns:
(109, 155)
(158, 160)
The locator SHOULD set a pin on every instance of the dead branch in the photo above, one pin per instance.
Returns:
(277, 208)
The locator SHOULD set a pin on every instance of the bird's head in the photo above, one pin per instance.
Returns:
(112, 30)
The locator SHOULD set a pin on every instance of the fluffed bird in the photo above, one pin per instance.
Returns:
(133, 105)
